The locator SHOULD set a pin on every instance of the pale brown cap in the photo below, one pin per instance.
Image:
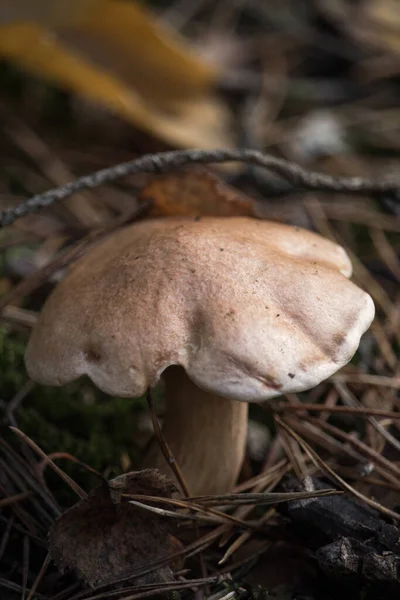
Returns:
(251, 309)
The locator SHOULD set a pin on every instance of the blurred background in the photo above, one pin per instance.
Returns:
(85, 84)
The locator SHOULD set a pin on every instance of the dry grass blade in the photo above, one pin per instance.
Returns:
(244, 510)
(66, 257)
(175, 515)
(259, 482)
(263, 499)
(352, 474)
(146, 590)
(169, 457)
(39, 577)
(188, 504)
(369, 218)
(245, 536)
(349, 398)
(17, 589)
(19, 316)
(294, 455)
(315, 434)
(66, 456)
(18, 473)
(30, 283)
(363, 448)
(14, 499)
(6, 535)
(331, 473)
(15, 402)
(383, 342)
(365, 379)
(386, 251)
(70, 482)
(25, 565)
(320, 408)
(85, 206)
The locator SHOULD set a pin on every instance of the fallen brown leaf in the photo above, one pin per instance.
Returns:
(105, 539)
(194, 193)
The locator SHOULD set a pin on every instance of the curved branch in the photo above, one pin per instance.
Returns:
(296, 176)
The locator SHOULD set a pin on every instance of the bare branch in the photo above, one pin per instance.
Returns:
(296, 176)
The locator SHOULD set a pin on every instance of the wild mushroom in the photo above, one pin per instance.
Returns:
(226, 310)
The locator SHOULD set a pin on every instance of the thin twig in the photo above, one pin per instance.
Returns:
(367, 379)
(189, 505)
(15, 498)
(245, 536)
(169, 457)
(362, 411)
(15, 402)
(149, 589)
(52, 456)
(39, 576)
(317, 460)
(68, 255)
(390, 465)
(6, 535)
(25, 565)
(299, 178)
(72, 484)
(19, 316)
(175, 515)
(263, 498)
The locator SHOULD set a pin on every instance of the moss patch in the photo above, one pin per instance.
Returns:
(77, 418)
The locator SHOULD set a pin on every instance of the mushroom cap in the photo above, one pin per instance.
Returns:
(249, 308)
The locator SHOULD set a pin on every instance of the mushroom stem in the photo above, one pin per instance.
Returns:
(206, 434)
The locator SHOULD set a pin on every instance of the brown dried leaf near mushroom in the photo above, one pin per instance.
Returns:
(105, 539)
(226, 310)
(195, 192)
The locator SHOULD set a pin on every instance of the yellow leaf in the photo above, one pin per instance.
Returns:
(113, 53)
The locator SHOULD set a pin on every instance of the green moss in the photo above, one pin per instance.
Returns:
(77, 418)
(11, 375)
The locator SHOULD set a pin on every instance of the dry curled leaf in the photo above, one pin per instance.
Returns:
(194, 193)
(105, 539)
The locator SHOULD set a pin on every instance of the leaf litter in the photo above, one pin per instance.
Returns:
(321, 435)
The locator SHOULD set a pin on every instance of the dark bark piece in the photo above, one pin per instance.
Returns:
(349, 558)
(339, 559)
(341, 516)
(351, 542)
(381, 567)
